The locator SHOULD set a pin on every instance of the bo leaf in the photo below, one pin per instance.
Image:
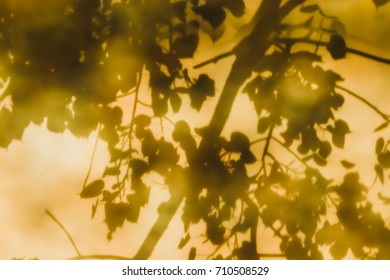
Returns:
(93, 189)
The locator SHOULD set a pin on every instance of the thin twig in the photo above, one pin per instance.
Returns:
(258, 141)
(144, 104)
(65, 231)
(136, 101)
(214, 59)
(290, 151)
(365, 101)
(324, 44)
(92, 156)
(268, 141)
(131, 128)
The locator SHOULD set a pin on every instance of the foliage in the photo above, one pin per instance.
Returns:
(70, 70)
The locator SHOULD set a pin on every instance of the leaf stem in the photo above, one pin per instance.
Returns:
(92, 156)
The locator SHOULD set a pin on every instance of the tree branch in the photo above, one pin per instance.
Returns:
(256, 43)
(324, 44)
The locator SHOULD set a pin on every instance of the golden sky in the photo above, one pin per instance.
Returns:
(47, 170)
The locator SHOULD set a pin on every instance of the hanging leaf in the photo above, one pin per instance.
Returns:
(111, 171)
(319, 160)
(201, 89)
(338, 133)
(212, 13)
(115, 214)
(379, 3)
(185, 46)
(338, 27)
(379, 173)
(142, 120)
(385, 199)
(339, 250)
(133, 211)
(139, 167)
(236, 7)
(184, 241)
(248, 157)
(325, 148)
(380, 144)
(384, 159)
(93, 189)
(181, 132)
(263, 124)
(347, 164)
(175, 101)
(239, 142)
(215, 232)
(337, 47)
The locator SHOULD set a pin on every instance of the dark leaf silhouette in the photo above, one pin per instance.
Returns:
(263, 124)
(236, 7)
(338, 27)
(379, 3)
(325, 149)
(185, 47)
(202, 88)
(380, 173)
(380, 144)
(175, 101)
(111, 171)
(192, 253)
(384, 159)
(184, 241)
(385, 199)
(212, 13)
(339, 250)
(93, 189)
(239, 142)
(337, 46)
(215, 232)
(70, 71)
(347, 164)
(339, 131)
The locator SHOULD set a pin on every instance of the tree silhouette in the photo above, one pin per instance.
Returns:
(70, 69)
